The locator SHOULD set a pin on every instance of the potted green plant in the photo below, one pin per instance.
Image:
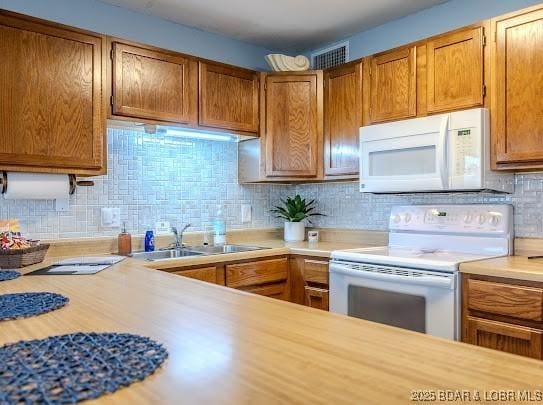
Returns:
(294, 211)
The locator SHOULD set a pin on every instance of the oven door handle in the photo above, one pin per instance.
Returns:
(426, 280)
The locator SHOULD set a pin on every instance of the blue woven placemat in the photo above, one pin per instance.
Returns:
(8, 275)
(22, 305)
(70, 368)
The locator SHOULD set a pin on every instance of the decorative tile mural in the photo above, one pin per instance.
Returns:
(155, 178)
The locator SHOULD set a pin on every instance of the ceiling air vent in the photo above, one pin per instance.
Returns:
(331, 56)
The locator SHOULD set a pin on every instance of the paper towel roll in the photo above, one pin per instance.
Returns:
(37, 186)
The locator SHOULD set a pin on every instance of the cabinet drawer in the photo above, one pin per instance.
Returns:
(208, 274)
(254, 273)
(504, 337)
(276, 290)
(316, 271)
(316, 298)
(509, 300)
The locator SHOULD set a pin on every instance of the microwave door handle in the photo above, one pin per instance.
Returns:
(443, 161)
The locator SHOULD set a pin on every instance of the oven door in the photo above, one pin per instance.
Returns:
(405, 156)
(418, 300)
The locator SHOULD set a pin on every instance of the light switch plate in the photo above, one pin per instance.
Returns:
(111, 217)
(246, 214)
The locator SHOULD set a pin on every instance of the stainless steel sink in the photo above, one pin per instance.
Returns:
(193, 251)
(165, 254)
(214, 250)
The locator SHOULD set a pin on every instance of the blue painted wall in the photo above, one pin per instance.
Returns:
(435, 20)
(107, 19)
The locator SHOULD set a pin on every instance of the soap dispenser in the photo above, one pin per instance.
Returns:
(124, 242)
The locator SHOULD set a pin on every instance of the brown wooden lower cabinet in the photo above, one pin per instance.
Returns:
(308, 279)
(264, 277)
(256, 273)
(299, 279)
(504, 337)
(503, 314)
(268, 277)
(316, 297)
(275, 290)
(209, 274)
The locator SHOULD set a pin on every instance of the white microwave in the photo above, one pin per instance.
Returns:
(445, 152)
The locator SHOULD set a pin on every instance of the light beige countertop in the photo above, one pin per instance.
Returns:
(229, 346)
(514, 267)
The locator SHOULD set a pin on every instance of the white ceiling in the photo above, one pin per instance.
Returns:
(280, 24)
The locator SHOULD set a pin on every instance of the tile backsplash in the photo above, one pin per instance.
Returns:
(155, 178)
(346, 207)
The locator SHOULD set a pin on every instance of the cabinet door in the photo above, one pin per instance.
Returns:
(455, 70)
(393, 85)
(517, 102)
(254, 273)
(228, 98)
(51, 110)
(208, 274)
(293, 125)
(342, 119)
(316, 298)
(514, 301)
(154, 85)
(277, 290)
(316, 271)
(504, 337)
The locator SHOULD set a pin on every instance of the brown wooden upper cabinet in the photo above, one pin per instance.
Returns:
(517, 98)
(228, 98)
(154, 84)
(393, 85)
(455, 70)
(293, 122)
(52, 116)
(342, 119)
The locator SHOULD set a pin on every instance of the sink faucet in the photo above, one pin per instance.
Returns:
(178, 235)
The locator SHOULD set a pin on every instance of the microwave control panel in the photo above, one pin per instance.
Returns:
(467, 153)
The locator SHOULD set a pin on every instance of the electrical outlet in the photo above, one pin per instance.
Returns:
(111, 217)
(162, 227)
(246, 213)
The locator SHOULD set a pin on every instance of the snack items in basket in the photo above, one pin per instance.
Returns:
(14, 241)
(17, 251)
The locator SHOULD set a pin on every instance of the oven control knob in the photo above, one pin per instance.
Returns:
(494, 220)
(396, 218)
(481, 219)
(468, 218)
(407, 217)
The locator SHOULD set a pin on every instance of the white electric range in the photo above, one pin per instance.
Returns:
(413, 282)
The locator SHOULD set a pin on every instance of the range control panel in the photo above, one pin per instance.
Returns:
(472, 218)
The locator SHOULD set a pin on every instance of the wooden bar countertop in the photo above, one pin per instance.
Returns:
(228, 346)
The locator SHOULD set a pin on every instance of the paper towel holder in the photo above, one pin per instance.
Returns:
(81, 183)
(3, 182)
(73, 183)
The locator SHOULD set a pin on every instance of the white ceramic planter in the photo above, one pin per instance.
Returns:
(294, 231)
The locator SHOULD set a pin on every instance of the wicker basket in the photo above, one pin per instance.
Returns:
(15, 259)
